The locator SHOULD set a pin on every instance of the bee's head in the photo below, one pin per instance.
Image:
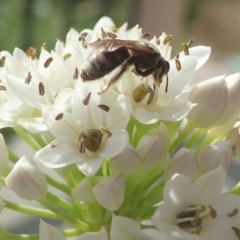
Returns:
(162, 69)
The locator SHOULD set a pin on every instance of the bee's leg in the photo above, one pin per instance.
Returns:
(115, 78)
(143, 73)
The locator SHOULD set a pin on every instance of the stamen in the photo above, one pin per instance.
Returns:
(76, 74)
(47, 62)
(44, 45)
(31, 52)
(145, 35)
(28, 78)
(111, 35)
(41, 89)
(190, 42)
(59, 117)
(233, 213)
(104, 107)
(185, 49)
(105, 131)
(167, 39)
(66, 56)
(87, 99)
(177, 62)
(2, 61)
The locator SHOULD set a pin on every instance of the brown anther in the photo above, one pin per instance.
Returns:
(66, 56)
(82, 36)
(41, 89)
(2, 61)
(190, 42)
(185, 49)
(87, 99)
(167, 39)
(47, 62)
(111, 35)
(232, 213)
(178, 64)
(103, 33)
(237, 231)
(31, 52)
(104, 107)
(158, 42)
(3, 88)
(105, 131)
(76, 74)
(145, 35)
(44, 45)
(59, 117)
(28, 78)
(84, 44)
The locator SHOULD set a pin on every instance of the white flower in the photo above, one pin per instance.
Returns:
(92, 129)
(198, 210)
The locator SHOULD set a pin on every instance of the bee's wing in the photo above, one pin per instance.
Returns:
(110, 45)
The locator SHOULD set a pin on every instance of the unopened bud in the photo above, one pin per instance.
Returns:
(26, 180)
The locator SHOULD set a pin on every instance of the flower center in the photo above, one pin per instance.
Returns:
(192, 218)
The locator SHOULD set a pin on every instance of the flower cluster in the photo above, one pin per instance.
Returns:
(133, 161)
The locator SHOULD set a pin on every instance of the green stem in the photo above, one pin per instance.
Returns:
(39, 140)
(180, 139)
(27, 138)
(12, 156)
(58, 185)
(39, 212)
(11, 236)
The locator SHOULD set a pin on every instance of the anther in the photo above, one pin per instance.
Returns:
(66, 56)
(41, 89)
(47, 62)
(28, 78)
(3, 88)
(2, 61)
(232, 213)
(185, 49)
(104, 107)
(31, 52)
(76, 74)
(87, 99)
(167, 39)
(145, 35)
(59, 117)
(111, 35)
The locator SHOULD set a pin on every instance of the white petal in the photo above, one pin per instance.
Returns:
(48, 232)
(208, 185)
(89, 166)
(58, 154)
(114, 144)
(145, 115)
(110, 192)
(101, 235)
(33, 125)
(124, 228)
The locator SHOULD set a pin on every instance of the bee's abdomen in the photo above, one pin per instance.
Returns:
(98, 63)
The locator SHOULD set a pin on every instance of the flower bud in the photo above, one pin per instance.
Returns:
(110, 192)
(211, 99)
(126, 162)
(212, 156)
(26, 180)
(152, 153)
(184, 157)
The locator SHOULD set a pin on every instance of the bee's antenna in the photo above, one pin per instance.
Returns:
(166, 88)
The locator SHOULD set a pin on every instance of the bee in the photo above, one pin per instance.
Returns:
(108, 54)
